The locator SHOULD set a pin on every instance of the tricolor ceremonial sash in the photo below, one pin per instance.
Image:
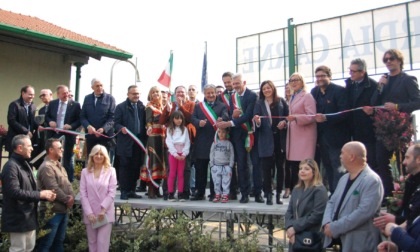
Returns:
(209, 113)
(249, 141)
(225, 99)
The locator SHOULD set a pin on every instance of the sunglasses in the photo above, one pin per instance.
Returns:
(392, 58)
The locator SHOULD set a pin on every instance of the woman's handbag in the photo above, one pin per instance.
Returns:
(307, 240)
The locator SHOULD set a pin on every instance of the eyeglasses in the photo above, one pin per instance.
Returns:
(43, 95)
(321, 76)
(354, 71)
(294, 80)
(392, 58)
(191, 89)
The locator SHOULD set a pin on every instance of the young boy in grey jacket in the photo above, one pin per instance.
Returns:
(221, 163)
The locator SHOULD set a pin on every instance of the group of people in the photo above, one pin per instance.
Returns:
(243, 138)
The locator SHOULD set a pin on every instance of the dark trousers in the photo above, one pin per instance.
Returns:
(257, 173)
(287, 173)
(294, 176)
(130, 169)
(234, 181)
(187, 175)
(238, 140)
(383, 155)
(91, 141)
(201, 171)
(330, 156)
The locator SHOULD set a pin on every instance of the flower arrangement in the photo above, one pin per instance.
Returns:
(393, 129)
(395, 201)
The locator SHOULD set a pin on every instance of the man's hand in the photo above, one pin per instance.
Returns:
(30, 134)
(384, 218)
(387, 246)
(368, 110)
(202, 123)
(53, 124)
(236, 113)
(99, 132)
(70, 202)
(390, 106)
(67, 127)
(47, 195)
(124, 130)
(327, 230)
(91, 130)
(320, 118)
(257, 119)
(223, 125)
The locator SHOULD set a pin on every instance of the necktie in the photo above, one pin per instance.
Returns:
(136, 120)
(60, 116)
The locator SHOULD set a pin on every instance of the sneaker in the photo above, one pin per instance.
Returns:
(225, 198)
(171, 197)
(216, 198)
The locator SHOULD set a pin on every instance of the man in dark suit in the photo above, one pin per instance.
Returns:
(130, 115)
(242, 106)
(20, 116)
(333, 131)
(397, 91)
(97, 116)
(64, 113)
(361, 92)
(205, 116)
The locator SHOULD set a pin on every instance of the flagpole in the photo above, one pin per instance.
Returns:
(204, 71)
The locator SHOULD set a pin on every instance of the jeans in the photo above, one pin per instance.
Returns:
(54, 240)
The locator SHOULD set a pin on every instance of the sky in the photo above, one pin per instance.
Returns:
(151, 29)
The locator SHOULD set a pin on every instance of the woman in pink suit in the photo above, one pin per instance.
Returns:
(301, 132)
(97, 192)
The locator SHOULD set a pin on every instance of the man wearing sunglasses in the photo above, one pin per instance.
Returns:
(397, 91)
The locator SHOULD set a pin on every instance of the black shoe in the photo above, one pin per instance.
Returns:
(124, 196)
(197, 197)
(133, 195)
(278, 200)
(140, 189)
(233, 196)
(211, 197)
(244, 199)
(171, 197)
(165, 196)
(269, 199)
(259, 199)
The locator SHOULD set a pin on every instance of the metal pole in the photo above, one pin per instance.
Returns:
(291, 39)
(112, 72)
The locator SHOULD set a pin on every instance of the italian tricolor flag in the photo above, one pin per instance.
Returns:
(165, 77)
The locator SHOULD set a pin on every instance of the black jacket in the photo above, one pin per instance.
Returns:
(335, 130)
(361, 124)
(19, 121)
(124, 117)
(20, 196)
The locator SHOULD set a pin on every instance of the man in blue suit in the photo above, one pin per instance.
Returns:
(97, 116)
(243, 102)
(64, 113)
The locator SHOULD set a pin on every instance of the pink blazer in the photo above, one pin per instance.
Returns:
(302, 133)
(98, 193)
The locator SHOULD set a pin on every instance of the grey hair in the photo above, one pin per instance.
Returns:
(237, 75)
(94, 80)
(19, 140)
(361, 64)
(207, 86)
